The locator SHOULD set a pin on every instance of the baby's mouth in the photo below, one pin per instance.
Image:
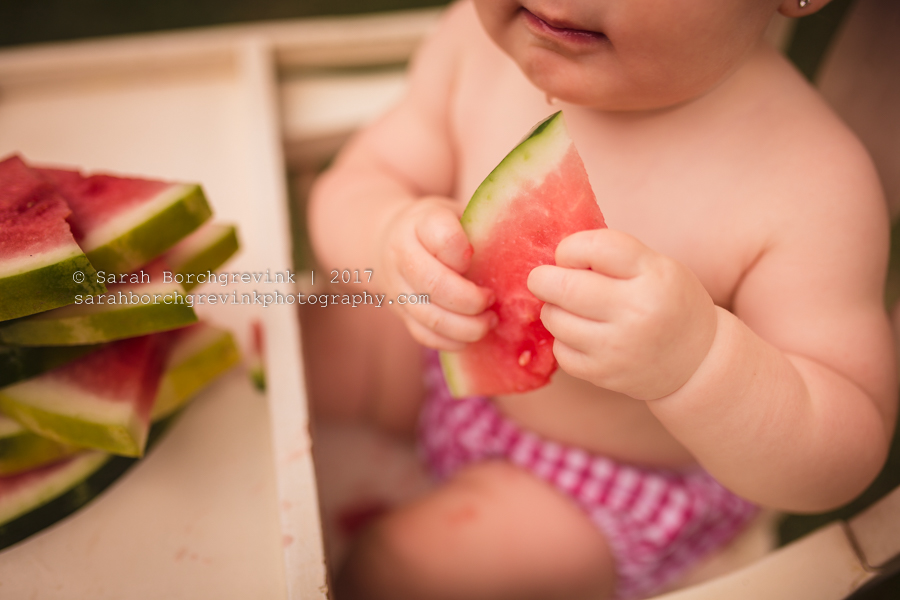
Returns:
(559, 30)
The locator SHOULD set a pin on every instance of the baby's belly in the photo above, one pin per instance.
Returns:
(577, 413)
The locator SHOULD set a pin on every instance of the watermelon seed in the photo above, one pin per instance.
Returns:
(525, 358)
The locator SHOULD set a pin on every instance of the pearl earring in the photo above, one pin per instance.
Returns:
(804, 3)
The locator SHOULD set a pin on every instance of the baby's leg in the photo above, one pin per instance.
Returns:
(492, 532)
(362, 365)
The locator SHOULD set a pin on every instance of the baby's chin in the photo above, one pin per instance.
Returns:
(615, 98)
(608, 89)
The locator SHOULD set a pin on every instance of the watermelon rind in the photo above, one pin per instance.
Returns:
(73, 416)
(454, 374)
(82, 324)
(52, 407)
(59, 479)
(138, 236)
(40, 288)
(38, 510)
(527, 164)
(21, 362)
(195, 361)
(21, 449)
(257, 373)
(201, 252)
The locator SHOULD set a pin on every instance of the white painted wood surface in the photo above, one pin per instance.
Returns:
(225, 506)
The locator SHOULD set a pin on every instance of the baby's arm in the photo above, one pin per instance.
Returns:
(790, 401)
(385, 205)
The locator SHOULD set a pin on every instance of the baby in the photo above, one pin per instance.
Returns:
(722, 345)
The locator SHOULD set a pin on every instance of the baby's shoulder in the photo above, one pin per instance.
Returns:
(811, 159)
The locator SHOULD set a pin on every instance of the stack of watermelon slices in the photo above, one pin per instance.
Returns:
(80, 381)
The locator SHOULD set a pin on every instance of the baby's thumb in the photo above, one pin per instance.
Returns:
(444, 238)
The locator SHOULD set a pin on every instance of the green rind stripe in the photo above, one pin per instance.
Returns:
(527, 164)
(181, 381)
(20, 362)
(54, 486)
(209, 258)
(46, 512)
(125, 439)
(138, 246)
(27, 450)
(257, 374)
(47, 287)
(454, 374)
(94, 328)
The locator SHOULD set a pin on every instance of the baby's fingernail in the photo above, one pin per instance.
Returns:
(491, 298)
(494, 319)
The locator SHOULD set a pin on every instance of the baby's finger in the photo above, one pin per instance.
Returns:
(429, 338)
(606, 251)
(444, 238)
(573, 362)
(445, 287)
(576, 332)
(584, 293)
(451, 325)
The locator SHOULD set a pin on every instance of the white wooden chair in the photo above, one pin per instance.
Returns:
(859, 76)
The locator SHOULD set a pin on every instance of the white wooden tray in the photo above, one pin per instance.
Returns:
(225, 505)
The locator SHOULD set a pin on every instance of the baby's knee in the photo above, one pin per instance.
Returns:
(399, 556)
(492, 532)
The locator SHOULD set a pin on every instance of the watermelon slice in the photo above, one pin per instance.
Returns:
(195, 356)
(123, 223)
(22, 492)
(20, 362)
(127, 310)
(34, 500)
(203, 251)
(537, 195)
(256, 366)
(102, 400)
(38, 254)
(198, 355)
(21, 449)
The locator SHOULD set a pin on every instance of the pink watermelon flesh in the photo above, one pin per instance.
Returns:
(509, 241)
(122, 223)
(96, 199)
(102, 400)
(38, 253)
(126, 372)
(32, 214)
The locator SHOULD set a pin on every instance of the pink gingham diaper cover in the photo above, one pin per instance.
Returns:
(657, 522)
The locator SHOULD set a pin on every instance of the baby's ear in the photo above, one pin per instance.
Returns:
(801, 8)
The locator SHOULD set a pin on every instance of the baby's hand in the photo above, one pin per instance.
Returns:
(625, 318)
(424, 250)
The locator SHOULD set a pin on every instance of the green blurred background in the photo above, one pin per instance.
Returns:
(31, 21)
